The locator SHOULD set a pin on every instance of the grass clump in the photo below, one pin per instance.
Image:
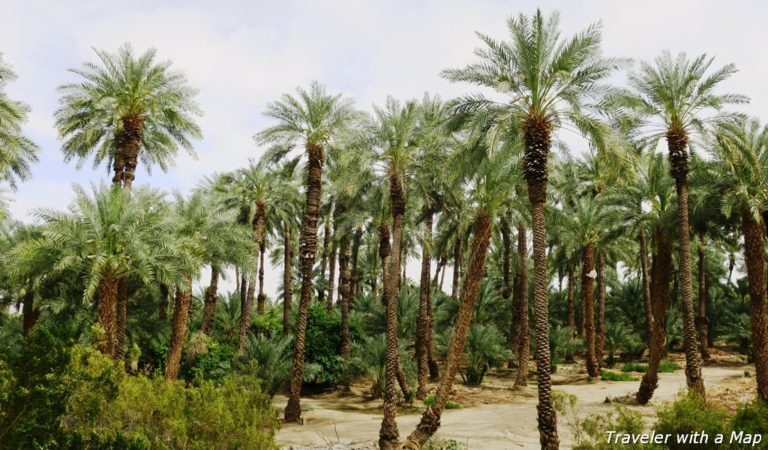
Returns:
(690, 413)
(430, 400)
(607, 375)
(664, 367)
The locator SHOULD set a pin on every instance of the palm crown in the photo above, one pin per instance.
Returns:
(16, 151)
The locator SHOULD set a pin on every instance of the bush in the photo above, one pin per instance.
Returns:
(664, 367)
(323, 346)
(608, 375)
(207, 359)
(107, 404)
(595, 428)
(430, 400)
(269, 359)
(690, 413)
(269, 324)
(752, 418)
(486, 348)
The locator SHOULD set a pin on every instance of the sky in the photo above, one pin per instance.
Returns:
(243, 54)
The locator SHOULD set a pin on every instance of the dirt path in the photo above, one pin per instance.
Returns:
(510, 425)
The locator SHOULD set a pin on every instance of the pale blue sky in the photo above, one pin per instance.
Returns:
(243, 54)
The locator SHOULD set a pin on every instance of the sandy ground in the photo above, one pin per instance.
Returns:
(501, 418)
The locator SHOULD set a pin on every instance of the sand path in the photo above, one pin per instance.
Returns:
(491, 427)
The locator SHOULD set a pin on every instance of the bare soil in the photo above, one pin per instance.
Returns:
(494, 416)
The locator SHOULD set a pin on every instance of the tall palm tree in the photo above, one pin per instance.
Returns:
(741, 152)
(488, 171)
(528, 70)
(315, 119)
(16, 151)
(670, 99)
(125, 110)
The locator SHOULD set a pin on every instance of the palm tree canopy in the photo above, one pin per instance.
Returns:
(673, 93)
(16, 151)
(125, 85)
(540, 75)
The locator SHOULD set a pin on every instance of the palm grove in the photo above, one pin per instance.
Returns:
(342, 200)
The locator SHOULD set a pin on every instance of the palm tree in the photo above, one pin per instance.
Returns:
(395, 136)
(315, 119)
(742, 160)
(17, 151)
(489, 176)
(669, 99)
(529, 70)
(126, 110)
(105, 237)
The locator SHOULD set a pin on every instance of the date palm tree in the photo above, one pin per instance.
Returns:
(16, 150)
(529, 70)
(127, 109)
(741, 152)
(104, 237)
(674, 98)
(313, 119)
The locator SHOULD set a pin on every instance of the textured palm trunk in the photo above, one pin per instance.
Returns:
(600, 325)
(677, 141)
(324, 256)
(430, 420)
(30, 314)
(423, 325)
(121, 317)
(209, 307)
(331, 275)
(246, 312)
(521, 293)
(164, 303)
(650, 320)
(385, 250)
(287, 286)
(307, 253)
(537, 136)
(571, 301)
(243, 290)
(107, 310)
(355, 282)
(702, 324)
(506, 257)
(345, 293)
(261, 298)
(456, 268)
(389, 435)
(661, 275)
(588, 307)
(754, 249)
(237, 279)
(182, 304)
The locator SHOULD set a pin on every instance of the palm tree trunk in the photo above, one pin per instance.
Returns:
(436, 279)
(287, 285)
(661, 274)
(702, 324)
(677, 142)
(261, 298)
(30, 313)
(209, 306)
(107, 310)
(324, 255)
(506, 256)
(422, 321)
(332, 275)
(600, 326)
(571, 301)
(646, 285)
(537, 135)
(243, 290)
(164, 293)
(588, 307)
(521, 312)
(181, 308)
(430, 420)
(355, 282)
(345, 290)
(754, 249)
(389, 435)
(246, 312)
(121, 316)
(237, 279)
(456, 268)
(307, 252)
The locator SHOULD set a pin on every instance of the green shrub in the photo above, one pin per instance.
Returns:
(752, 418)
(608, 375)
(269, 324)
(268, 358)
(690, 413)
(106, 403)
(595, 428)
(430, 400)
(207, 359)
(664, 367)
(323, 346)
(486, 348)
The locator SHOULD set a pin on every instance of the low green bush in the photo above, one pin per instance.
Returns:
(752, 418)
(690, 413)
(596, 427)
(608, 375)
(664, 367)
(430, 400)
(486, 348)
